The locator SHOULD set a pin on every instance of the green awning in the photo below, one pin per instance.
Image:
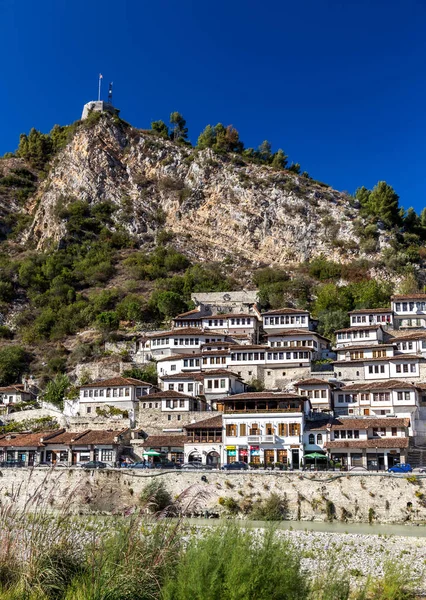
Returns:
(315, 455)
(151, 453)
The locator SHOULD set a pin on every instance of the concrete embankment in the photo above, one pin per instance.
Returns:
(312, 496)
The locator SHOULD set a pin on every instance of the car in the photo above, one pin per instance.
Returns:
(195, 466)
(139, 465)
(400, 468)
(166, 465)
(94, 464)
(12, 463)
(235, 466)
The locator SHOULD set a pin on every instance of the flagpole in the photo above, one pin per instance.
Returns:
(99, 87)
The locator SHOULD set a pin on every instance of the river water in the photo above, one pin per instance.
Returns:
(326, 527)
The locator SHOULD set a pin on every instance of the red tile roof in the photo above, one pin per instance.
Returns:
(288, 332)
(313, 381)
(211, 423)
(164, 394)
(360, 328)
(285, 311)
(389, 384)
(362, 423)
(409, 297)
(116, 381)
(157, 441)
(381, 359)
(368, 311)
(195, 311)
(265, 396)
(391, 442)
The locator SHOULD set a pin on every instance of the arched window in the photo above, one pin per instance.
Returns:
(319, 438)
(311, 438)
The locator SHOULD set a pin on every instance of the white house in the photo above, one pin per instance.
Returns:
(210, 384)
(372, 443)
(319, 392)
(204, 441)
(379, 398)
(286, 318)
(14, 394)
(264, 427)
(371, 316)
(371, 334)
(181, 341)
(409, 310)
(120, 392)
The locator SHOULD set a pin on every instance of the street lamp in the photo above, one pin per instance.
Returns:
(377, 461)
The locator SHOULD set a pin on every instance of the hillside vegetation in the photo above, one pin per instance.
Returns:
(103, 223)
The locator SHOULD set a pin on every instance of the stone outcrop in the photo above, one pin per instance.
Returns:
(219, 206)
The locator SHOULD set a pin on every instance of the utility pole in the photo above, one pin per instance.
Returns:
(99, 86)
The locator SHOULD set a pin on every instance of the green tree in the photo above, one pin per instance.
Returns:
(160, 128)
(411, 220)
(330, 320)
(227, 139)
(295, 168)
(279, 160)
(207, 138)
(363, 196)
(14, 361)
(107, 321)
(179, 129)
(168, 304)
(148, 373)
(423, 218)
(384, 204)
(264, 151)
(56, 390)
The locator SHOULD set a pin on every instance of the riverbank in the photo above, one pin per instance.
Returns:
(381, 498)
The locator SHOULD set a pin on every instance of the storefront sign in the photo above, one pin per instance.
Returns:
(255, 452)
(254, 447)
(231, 447)
(243, 452)
(232, 452)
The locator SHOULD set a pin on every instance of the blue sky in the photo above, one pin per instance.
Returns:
(340, 86)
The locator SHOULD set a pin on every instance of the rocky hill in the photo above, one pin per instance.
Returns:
(218, 205)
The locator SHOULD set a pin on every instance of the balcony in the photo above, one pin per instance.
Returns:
(261, 439)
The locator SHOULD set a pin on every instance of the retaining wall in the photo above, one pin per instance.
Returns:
(311, 496)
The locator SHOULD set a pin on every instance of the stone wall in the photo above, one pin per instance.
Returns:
(154, 422)
(356, 497)
(103, 369)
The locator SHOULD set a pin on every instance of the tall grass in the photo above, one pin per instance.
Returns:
(57, 556)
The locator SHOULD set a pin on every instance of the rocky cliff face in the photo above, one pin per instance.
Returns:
(218, 206)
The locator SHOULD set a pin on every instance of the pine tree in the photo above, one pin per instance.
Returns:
(363, 196)
(180, 131)
(384, 203)
(295, 168)
(264, 151)
(160, 128)
(411, 220)
(279, 160)
(207, 138)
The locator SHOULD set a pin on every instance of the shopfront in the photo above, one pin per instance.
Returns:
(255, 455)
(243, 454)
(231, 453)
(269, 457)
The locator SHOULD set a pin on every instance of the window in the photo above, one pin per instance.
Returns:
(243, 429)
(294, 429)
(231, 430)
(106, 455)
(180, 387)
(88, 409)
(282, 429)
(173, 367)
(336, 435)
(181, 403)
(115, 392)
(311, 438)
(171, 386)
(398, 368)
(222, 383)
(190, 387)
(169, 417)
(179, 417)
(413, 368)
